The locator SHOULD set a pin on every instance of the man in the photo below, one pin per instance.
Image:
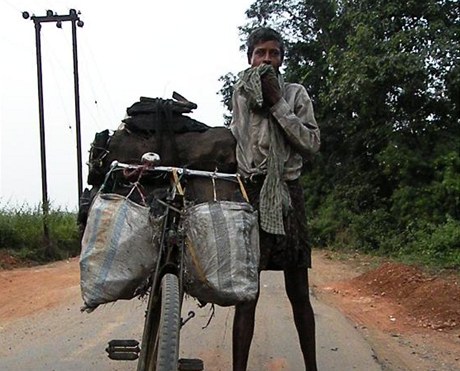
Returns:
(276, 130)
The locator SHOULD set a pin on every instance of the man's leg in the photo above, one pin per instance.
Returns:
(243, 330)
(296, 282)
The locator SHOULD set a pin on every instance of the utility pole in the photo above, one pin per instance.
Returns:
(58, 19)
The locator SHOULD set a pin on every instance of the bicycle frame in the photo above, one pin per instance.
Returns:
(169, 260)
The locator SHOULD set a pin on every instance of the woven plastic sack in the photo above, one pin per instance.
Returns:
(118, 249)
(222, 252)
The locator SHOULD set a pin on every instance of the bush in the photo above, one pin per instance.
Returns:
(435, 244)
(331, 221)
(371, 231)
(21, 233)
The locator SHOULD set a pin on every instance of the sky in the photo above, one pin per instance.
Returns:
(147, 48)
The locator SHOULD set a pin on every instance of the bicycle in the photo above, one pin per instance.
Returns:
(159, 348)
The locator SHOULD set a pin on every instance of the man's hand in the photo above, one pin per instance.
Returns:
(270, 87)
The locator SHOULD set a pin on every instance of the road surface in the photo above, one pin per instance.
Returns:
(62, 338)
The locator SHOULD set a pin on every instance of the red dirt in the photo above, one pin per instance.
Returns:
(8, 261)
(410, 317)
(50, 284)
(429, 301)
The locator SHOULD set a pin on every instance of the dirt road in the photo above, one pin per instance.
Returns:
(41, 327)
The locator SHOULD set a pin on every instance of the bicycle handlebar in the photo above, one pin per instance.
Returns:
(171, 169)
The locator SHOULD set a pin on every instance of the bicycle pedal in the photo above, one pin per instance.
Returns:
(190, 364)
(123, 350)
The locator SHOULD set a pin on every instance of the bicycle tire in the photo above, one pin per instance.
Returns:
(164, 338)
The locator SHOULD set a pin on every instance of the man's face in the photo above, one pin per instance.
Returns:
(267, 52)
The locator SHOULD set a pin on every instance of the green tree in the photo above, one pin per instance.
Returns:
(384, 77)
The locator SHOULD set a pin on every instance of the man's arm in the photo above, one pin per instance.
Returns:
(299, 124)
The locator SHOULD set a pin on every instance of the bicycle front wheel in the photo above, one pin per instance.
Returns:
(163, 346)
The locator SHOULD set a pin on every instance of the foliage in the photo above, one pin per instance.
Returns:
(21, 233)
(384, 77)
(226, 92)
(433, 244)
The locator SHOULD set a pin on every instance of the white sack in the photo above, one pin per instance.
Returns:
(222, 252)
(118, 250)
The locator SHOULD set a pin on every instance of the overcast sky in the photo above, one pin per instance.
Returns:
(125, 50)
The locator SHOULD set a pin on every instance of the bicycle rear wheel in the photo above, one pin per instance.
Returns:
(163, 344)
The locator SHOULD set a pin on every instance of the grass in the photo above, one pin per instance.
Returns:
(22, 233)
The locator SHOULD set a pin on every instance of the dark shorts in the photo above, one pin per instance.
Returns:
(293, 250)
